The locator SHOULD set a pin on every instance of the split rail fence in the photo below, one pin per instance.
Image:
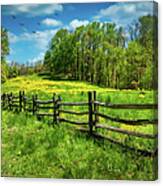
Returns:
(33, 105)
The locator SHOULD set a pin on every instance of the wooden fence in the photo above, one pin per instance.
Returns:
(33, 105)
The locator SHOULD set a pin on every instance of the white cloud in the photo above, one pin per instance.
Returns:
(12, 37)
(40, 39)
(125, 13)
(77, 23)
(51, 22)
(32, 9)
(40, 57)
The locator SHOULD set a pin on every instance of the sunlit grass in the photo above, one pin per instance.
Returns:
(38, 150)
(35, 83)
(31, 148)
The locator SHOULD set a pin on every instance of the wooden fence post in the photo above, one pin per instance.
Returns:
(3, 100)
(54, 109)
(36, 105)
(10, 101)
(7, 101)
(33, 104)
(57, 107)
(20, 101)
(90, 123)
(24, 101)
(96, 107)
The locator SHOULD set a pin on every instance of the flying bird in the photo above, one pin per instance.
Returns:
(34, 32)
(21, 24)
(13, 16)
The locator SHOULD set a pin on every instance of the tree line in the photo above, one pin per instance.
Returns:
(102, 54)
(14, 69)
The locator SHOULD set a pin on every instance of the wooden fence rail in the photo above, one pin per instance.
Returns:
(72, 112)
(128, 122)
(126, 106)
(132, 133)
(74, 104)
(33, 104)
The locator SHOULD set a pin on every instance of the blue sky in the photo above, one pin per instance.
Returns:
(31, 26)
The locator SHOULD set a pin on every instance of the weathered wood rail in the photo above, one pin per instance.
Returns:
(126, 106)
(21, 102)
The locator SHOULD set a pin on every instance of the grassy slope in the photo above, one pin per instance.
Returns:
(64, 153)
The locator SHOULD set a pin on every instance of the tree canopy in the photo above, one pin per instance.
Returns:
(4, 53)
(102, 54)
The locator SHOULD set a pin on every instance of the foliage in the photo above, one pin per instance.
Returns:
(4, 43)
(101, 53)
(4, 52)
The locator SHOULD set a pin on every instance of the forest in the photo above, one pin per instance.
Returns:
(104, 54)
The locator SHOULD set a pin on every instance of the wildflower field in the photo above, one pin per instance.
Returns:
(32, 148)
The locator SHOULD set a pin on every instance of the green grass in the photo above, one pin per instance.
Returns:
(32, 148)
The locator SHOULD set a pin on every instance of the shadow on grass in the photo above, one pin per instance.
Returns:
(46, 75)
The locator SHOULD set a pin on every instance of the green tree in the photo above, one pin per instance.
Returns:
(4, 53)
(100, 53)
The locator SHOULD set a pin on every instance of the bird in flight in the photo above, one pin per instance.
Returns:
(21, 24)
(13, 16)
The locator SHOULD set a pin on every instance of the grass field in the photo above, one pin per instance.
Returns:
(32, 148)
